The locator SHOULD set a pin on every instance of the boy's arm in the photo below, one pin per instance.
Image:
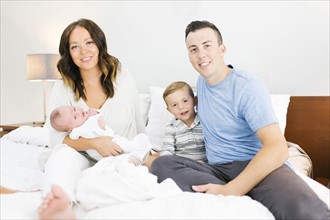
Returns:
(169, 140)
(151, 158)
(167, 148)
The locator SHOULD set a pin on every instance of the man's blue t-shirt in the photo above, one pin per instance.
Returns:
(230, 113)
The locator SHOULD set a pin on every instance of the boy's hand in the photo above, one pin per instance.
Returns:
(150, 159)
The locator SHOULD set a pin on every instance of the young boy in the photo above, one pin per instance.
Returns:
(183, 134)
(89, 124)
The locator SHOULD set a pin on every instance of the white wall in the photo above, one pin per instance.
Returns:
(286, 43)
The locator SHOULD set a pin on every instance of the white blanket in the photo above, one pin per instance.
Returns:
(20, 165)
(114, 180)
(38, 136)
(185, 206)
(115, 189)
(181, 206)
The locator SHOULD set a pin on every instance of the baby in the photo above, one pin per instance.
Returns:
(89, 124)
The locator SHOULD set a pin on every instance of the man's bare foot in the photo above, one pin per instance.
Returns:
(56, 205)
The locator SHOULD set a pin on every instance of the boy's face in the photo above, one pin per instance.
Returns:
(205, 53)
(181, 105)
(73, 116)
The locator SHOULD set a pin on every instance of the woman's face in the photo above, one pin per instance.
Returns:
(83, 50)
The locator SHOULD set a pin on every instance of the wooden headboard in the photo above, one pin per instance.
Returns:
(308, 125)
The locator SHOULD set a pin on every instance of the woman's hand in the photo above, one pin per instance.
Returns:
(106, 147)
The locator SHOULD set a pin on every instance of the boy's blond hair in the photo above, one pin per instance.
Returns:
(175, 86)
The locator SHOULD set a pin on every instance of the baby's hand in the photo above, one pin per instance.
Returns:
(101, 123)
(134, 160)
(91, 112)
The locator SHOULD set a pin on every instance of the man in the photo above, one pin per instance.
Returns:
(245, 147)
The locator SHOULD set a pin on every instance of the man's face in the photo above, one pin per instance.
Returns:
(205, 53)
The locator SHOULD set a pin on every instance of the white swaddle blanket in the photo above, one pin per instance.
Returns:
(114, 180)
(91, 129)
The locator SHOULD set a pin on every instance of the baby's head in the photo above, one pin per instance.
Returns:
(66, 118)
(180, 100)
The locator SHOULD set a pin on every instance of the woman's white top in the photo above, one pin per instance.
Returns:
(121, 112)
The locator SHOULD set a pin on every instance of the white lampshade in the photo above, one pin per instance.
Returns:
(42, 67)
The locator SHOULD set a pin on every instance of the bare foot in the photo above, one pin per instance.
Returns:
(5, 190)
(56, 205)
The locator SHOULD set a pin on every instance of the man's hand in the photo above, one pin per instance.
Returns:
(215, 189)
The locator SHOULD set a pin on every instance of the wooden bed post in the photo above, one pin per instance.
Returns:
(308, 125)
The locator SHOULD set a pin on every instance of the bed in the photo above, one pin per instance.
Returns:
(305, 121)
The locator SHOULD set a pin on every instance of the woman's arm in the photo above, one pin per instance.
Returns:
(61, 95)
(103, 145)
(131, 86)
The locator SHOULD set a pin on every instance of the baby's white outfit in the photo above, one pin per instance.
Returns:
(139, 145)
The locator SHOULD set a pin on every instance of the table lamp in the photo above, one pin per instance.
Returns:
(42, 67)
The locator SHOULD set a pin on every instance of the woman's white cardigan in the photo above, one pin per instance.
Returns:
(121, 112)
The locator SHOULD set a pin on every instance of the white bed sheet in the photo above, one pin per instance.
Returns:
(182, 206)
(20, 165)
(20, 169)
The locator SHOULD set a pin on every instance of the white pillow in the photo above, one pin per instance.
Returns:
(158, 116)
(280, 105)
(300, 160)
(145, 105)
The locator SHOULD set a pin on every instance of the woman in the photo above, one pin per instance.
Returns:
(91, 79)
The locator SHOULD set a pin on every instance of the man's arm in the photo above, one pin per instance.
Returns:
(271, 156)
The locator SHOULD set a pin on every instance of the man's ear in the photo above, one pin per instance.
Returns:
(195, 100)
(222, 48)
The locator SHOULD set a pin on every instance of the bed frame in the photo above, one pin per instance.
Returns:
(308, 125)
